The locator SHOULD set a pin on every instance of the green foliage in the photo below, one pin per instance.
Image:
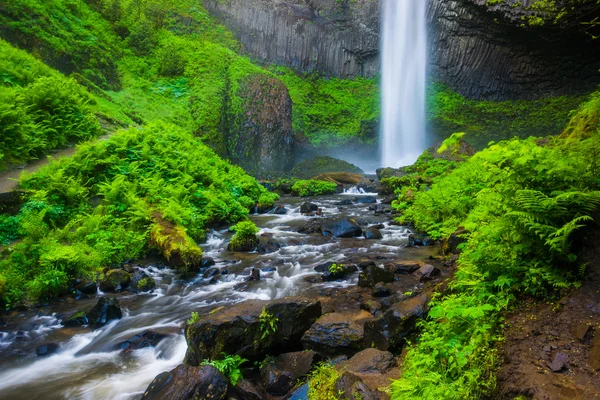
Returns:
(195, 318)
(586, 120)
(229, 366)
(519, 202)
(311, 187)
(336, 268)
(330, 111)
(321, 383)
(321, 165)
(268, 323)
(449, 112)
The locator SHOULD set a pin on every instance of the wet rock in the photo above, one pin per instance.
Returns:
(280, 210)
(255, 274)
(559, 363)
(47, 349)
(378, 226)
(244, 245)
(237, 329)
(389, 331)
(344, 202)
(188, 383)
(141, 282)
(370, 361)
(300, 394)
(381, 290)
(450, 245)
(339, 272)
(404, 268)
(427, 272)
(307, 208)
(78, 319)
(373, 234)
(107, 309)
(342, 228)
(389, 199)
(87, 286)
(115, 280)
(372, 275)
(420, 240)
(365, 200)
(313, 279)
(372, 306)
(276, 382)
(211, 272)
(207, 262)
(366, 264)
(350, 386)
(140, 341)
(311, 226)
(334, 334)
(268, 269)
(271, 246)
(246, 390)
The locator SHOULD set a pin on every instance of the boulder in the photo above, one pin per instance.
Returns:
(140, 341)
(420, 240)
(115, 280)
(389, 331)
(345, 202)
(365, 200)
(373, 234)
(271, 246)
(341, 228)
(78, 319)
(246, 245)
(311, 226)
(246, 390)
(334, 334)
(206, 262)
(338, 272)
(427, 272)
(308, 208)
(300, 394)
(188, 383)
(389, 199)
(107, 309)
(141, 282)
(237, 329)
(381, 290)
(373, 275)
(254, 275)
(280, 210)
(281, 373)
(47, 349)
(350, 386)
(370, 361)
(402, 268)
(86, 286)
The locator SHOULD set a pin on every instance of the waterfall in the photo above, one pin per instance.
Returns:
(403, 81)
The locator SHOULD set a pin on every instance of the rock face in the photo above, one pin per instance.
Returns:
(260, 135)
(335, 37)
(187, 383)
(479, 51)
(237, 329)
(334, 334)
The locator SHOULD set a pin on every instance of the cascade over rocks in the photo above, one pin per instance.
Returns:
(237, 329)
(188, 383)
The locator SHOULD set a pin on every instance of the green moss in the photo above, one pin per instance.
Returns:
(484, 121)
(586, 119)
(321, 165)
(313, 188)
(245, 237)
(322, 383)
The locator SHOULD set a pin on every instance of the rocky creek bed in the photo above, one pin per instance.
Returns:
(112, 340)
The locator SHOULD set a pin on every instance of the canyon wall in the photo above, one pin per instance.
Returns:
(481, 53)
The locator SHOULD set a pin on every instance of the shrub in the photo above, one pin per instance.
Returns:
(229, 366)
(311, 187)
(321, 383)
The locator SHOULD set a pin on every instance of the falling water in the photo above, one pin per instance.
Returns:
(403, 81)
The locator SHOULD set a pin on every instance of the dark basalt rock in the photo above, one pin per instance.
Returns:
(402, 268)
(307, 208)
(311, 226)
(341, 228)
(271, 246)
(188, 383)
(143, 340)
(280, 210)
(389, 199)
(236, 329)
(47, 349)
(342, 272)
(86, 286)
(427, 272)
(389, 331)
(107, 309)
(350, 386)
(246, 390)
(372, 275)
(78, 319)
(334, 334)
(370, 361)
(381, 290)
(420, 240)
(254, 274)
(115, 280)
(141, 282)
(373, 234)
(206, 262)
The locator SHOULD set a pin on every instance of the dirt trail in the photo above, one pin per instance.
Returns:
(570, 329)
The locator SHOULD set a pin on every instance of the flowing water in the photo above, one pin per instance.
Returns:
(404, 50)
(90, 366)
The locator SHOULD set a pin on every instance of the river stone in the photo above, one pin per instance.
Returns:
(350, 386)
(115, 280)
(373, 275)
(142, 282)
(237, 329)
(140, 341)
(47, 349)
(342, 228)
(370, 361)
(365, 200)
(389, 331)
(188, 383)
(307, 208)
(107, 309)
(402, 268)
(427, 272)
(420, 240)
(87, 286)
(78, 319)
(280, 210)
(271, 246)
(373, 234)
(343, 273)
(334, 334)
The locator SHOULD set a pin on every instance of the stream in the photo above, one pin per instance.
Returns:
(90, 365)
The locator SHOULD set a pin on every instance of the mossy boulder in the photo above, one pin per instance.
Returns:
(142, 282)
(245, 237)
(238, 329)
(321, 165)
(115, 280)
(178, 248)
(107, 309)
(78, 319)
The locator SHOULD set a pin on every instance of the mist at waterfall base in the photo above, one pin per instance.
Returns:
(403, 49)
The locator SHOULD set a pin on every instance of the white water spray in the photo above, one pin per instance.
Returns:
(404, 58)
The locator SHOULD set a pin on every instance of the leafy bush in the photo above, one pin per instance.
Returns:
(195, 318)
(313, 188)
(321, 382)
(229, 366)
(268, 323)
